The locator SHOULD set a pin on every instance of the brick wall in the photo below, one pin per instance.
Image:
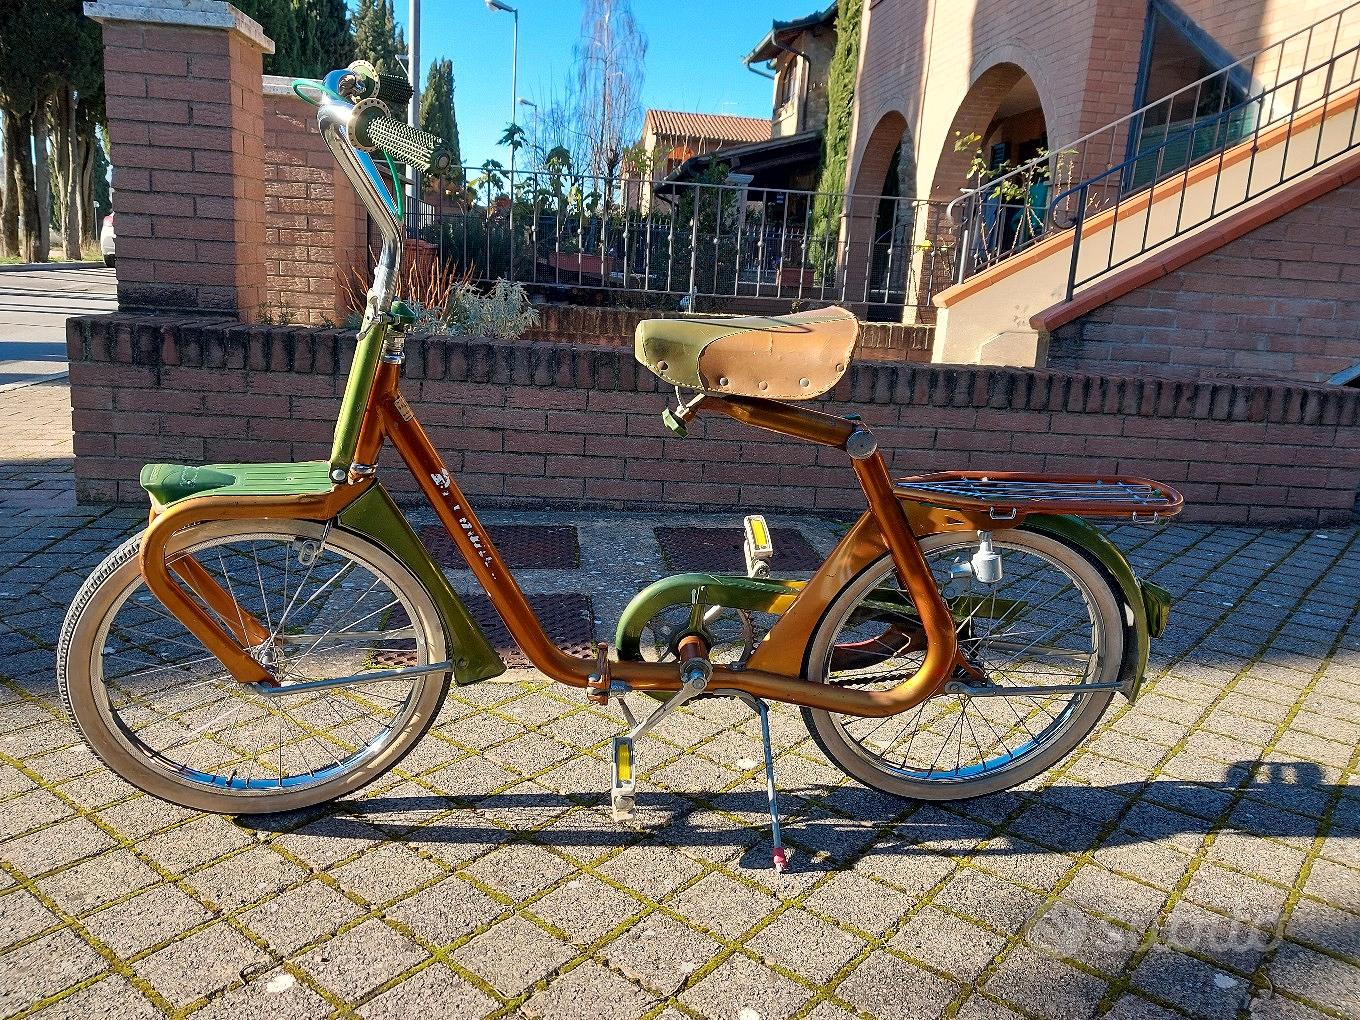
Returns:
(549, 423)
(185, 124)
(316, 230)
(613, 327)
(1281, 301)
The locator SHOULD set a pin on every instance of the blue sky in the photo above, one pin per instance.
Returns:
(693, 57)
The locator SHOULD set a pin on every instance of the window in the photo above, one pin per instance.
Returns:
(784, 86)
(1184, 125)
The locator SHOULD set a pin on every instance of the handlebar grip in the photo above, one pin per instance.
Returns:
(405, 144)
(370, 83)
(394, 90)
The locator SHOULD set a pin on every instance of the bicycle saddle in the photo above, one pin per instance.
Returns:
(782, 357)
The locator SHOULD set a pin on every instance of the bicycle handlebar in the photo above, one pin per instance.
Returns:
(373, 129)
(370, 83)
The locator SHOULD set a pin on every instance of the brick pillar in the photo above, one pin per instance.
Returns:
(315, 226)
(186, 123)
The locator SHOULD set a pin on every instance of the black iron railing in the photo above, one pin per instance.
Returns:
(1194, 133)
(693, 245)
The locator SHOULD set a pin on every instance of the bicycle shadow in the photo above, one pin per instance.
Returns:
(834, 826)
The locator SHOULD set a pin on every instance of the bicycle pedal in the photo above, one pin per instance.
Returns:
(623, 790)
(758, 546)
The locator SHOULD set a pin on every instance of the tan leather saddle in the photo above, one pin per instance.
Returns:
(782, 357)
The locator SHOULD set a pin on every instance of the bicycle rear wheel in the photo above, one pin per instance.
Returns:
(1052, 620)
(162, 713)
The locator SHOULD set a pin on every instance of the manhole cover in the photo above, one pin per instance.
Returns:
(719, 550)
(524, 546)
(568, 617)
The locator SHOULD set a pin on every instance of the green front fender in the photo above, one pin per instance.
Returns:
(375, 516)
(1145, 605)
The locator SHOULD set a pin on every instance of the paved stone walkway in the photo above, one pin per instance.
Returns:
(1199, 856)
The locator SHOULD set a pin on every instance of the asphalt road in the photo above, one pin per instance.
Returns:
(34, 307)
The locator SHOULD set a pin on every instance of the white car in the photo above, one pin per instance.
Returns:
(106, 240)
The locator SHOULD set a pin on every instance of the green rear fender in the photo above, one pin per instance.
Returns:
(754, 594)
(1146, 606)
(375, 516)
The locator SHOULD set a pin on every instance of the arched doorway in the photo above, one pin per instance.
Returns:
(1000, 125)
(879, 222)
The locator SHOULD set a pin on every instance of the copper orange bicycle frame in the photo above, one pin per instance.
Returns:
(774, 671)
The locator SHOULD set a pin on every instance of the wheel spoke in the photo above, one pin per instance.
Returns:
(235, 739)
(1037, 625)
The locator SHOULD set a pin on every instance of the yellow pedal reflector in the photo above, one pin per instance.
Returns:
(758, 547)
(623, 762)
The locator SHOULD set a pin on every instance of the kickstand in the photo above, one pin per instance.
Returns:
(777, 853)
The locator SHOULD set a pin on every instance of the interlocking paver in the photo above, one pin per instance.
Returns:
(513, 955)
(202, 963)
(152, 918)
(299, 916)
(364, 957)
(886, 986)
(113, 996)
(415, 995)
(614, 998)
(1152, 874)
(660, 953)
(739, 983)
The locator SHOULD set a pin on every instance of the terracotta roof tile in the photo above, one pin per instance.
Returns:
(721, 127)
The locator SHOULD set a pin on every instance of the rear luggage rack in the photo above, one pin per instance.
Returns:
(1008, 495)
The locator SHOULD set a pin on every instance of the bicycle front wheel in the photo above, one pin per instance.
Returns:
(163, 714)
(1052, 621)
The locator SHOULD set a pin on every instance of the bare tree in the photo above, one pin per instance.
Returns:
(555, 127)
(609, 72)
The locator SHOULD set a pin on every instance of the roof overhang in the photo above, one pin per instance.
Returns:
(782, 33)
(754, 159)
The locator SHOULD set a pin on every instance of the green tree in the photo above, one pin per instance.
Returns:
(280, 22)
(325, 41)
(32, 44)
(840, 94)
(377, 36)
(437, 113)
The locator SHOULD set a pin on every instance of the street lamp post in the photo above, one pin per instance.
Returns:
(413, 72)
(501, 5)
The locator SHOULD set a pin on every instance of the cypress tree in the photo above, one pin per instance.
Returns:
(377, 37)
(437, 113)
(325, 41)
(840, 96)
(280, 23)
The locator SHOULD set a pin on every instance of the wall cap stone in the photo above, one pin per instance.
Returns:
(280, 85)
(182, 13)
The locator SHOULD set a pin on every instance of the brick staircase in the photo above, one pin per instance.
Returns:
(1283, 127)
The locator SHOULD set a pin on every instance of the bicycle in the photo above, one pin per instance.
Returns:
(278, 636)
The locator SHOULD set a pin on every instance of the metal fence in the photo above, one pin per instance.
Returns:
(689, 245)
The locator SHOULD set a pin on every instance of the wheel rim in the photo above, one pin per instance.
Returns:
(1038, 625)
(330, 612)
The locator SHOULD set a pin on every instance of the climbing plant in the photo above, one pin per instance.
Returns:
(840, 91)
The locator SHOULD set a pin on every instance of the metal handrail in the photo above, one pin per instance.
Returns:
(1026, 170)
(1082, 190)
